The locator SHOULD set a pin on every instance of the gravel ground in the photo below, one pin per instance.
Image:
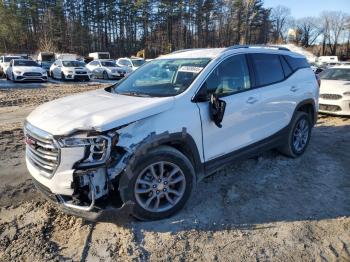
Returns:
(269, 208)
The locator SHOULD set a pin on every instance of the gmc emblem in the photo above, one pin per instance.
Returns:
(29, 141)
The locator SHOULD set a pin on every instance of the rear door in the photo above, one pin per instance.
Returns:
(231, 81)
(277, 102)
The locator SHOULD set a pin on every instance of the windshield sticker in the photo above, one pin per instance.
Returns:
(190, 69)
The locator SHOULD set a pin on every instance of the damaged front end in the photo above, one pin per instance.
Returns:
(80, 172)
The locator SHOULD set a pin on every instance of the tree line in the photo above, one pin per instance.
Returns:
(124, 27)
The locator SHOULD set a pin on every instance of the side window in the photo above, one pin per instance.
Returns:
(267, 68)
(286, 68)
(296, 63)
(230, 77)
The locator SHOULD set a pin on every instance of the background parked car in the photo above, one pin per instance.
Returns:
(106, 69)
(21, 70)
(335, 90)
(70, 70)
(5, 62)
(45, 60)
(100, 55)
(132, 63)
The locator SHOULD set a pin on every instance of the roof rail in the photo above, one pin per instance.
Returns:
(258, 46)
(185, 50)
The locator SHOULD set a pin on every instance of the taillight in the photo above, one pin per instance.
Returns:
(318, 79)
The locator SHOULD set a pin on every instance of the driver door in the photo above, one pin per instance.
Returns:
(230, 81)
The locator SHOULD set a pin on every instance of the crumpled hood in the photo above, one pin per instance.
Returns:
(334, 87)
(95, 110)
(24, 69)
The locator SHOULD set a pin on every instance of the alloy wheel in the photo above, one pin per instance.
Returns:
(301, 135)
(160, 186)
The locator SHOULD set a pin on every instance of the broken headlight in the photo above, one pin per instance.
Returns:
(97, 149)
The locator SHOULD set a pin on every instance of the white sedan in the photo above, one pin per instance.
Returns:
(21, 70)
(132, 63)
(106, 69)
(335, 91)
(70, 70)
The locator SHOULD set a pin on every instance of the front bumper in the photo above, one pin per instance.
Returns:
(335, 107)
(79, 77)
(115, 75)
(30, 78)
(106, 214)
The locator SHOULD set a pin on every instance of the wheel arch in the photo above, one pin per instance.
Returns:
(181, 141)
(307, 106)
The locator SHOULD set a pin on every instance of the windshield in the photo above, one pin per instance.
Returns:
(103, 56)
(138, 62)
(48, 58)
(24, 63)
(9, 58)
(162, 77)
(336, 74)
(108, 64)
(73, 64)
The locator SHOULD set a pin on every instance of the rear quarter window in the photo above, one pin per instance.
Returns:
(296, 63)
(267, 69)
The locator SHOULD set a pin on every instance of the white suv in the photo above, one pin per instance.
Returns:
(149, 138)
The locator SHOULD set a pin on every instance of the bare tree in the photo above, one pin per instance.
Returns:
(309, 29)
(334, 25)
(280, 16)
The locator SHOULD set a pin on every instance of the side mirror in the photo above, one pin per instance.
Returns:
(217, 109)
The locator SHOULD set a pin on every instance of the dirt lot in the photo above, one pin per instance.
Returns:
(269, 208)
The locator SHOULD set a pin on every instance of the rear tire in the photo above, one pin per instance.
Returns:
(298, 137)
(160, 183)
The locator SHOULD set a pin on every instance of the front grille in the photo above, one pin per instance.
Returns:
(32, 74)
(330, 108)
(80, 72)
(41, 150)
(331, 96)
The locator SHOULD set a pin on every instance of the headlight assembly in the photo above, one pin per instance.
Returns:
(18, 72)
(97, 149)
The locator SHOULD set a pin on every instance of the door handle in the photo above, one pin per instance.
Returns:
(294, 89)
(252, 100)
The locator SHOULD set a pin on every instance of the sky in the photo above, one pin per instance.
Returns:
(302, 8)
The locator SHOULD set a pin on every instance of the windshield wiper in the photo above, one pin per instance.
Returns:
(133, 94)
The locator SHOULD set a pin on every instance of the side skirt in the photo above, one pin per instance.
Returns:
(257, 148)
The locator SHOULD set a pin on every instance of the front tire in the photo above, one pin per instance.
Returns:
(160, 183)
(298, 137)
(63, 77)
(105, 75)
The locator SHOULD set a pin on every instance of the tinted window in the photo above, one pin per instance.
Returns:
(268, 69)
(296, 63)
(286, 68)
(231, 76)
